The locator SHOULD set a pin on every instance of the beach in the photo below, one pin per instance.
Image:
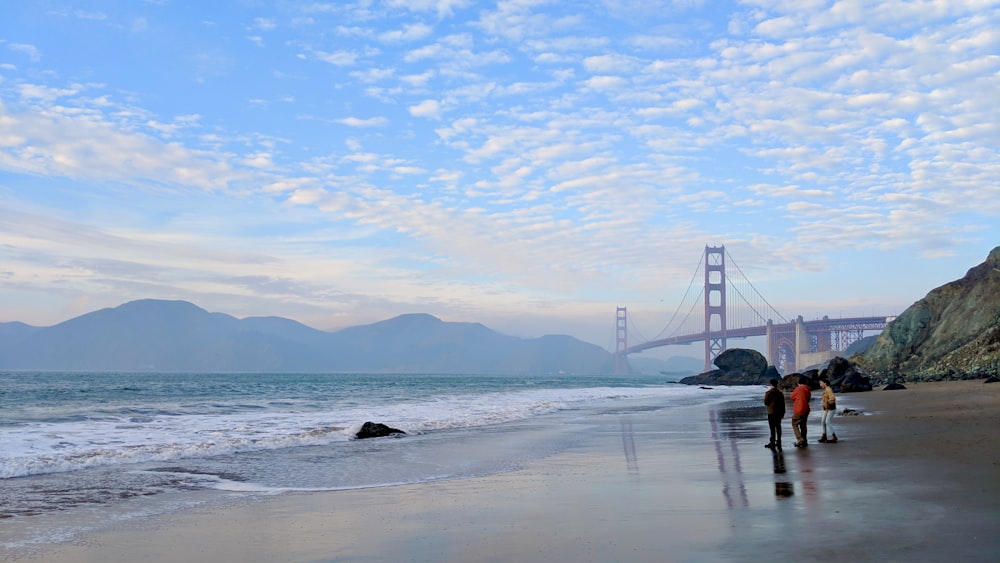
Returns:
(915, 477)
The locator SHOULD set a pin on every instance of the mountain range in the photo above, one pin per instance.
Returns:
(178, 336)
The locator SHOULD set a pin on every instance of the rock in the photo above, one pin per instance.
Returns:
(791, 381)
(894, 387)
(741, 362)
(708, 377)
(737, 366)
(845, 376)
(771, 373)
(992, 380)
(952, 333)
(376, 430)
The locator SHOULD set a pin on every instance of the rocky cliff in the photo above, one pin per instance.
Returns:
(952, 333)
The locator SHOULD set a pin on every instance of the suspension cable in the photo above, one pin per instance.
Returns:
(697, 270)
(688, 315)
(634, 328)
(757, 293)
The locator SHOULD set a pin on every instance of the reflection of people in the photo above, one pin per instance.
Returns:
(781, 488)
(774, 400)
(829, 401)
(800, 412)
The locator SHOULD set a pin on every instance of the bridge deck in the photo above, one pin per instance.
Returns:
(818, 325)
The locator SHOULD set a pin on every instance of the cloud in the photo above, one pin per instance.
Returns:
(337, 58)
(84, 146)
(34, 55)
(358, 122)
(264, 24)
(443, 8)
(426, 108)
(605, 82)
(610, 64)
(409, 32)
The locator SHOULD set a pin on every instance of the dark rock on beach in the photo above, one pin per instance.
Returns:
(791, 381)
(844, 376)
(737, 366)
(376, 430)
(894, 387)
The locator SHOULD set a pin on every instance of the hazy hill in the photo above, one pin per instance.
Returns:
(156, 335)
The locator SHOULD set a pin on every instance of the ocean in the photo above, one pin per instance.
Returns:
(85, 451)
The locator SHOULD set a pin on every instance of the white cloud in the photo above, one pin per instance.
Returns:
(81, 147)
(264, 24)
(610, 64)
(409, 170)
(409, 32)
(443, 8)
(426, 108)
(370, 122)
(337, 58)
(259, 160)
(605, 82)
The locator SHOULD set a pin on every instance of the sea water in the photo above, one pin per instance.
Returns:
(78, 449)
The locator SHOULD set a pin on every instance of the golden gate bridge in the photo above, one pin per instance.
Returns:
(791, 345)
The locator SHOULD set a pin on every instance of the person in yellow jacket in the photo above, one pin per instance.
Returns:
(829, 402)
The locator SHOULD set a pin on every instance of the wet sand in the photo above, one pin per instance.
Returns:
(917, 478)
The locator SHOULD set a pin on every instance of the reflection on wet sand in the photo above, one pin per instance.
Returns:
(782, 488)
(807, 475)
(732, 421)
(628, 442)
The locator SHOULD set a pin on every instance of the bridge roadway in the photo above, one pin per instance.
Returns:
(819, 325)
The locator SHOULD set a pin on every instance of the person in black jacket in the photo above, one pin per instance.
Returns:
(774, 400)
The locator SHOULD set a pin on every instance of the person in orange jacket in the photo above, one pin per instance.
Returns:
(800, 412)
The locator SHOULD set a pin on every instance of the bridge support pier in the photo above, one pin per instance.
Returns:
(621, 341)
(715, 302)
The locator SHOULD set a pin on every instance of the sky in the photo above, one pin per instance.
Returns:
(528, 165)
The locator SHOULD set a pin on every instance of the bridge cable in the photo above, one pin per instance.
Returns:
(757, 293)
(634, 328)
(694, 304)
(697, 270)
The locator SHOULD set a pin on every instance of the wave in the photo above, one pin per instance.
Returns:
(157, 434)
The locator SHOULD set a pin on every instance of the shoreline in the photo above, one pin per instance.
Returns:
(916, 477)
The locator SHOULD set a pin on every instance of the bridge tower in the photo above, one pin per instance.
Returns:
(715, 303)
(621, 341)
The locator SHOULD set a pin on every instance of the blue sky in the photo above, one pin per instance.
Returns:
(529, 165)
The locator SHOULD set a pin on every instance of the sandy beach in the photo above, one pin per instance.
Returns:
(915, 478)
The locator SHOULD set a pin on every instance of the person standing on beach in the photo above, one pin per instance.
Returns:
(829, 401)
(774, 400)
(800, 411)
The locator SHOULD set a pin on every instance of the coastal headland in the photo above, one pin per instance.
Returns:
(915, 477)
